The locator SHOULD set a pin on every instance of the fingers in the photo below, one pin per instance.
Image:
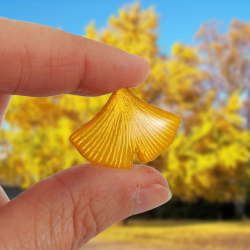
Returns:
(39, 61)
(4, 102)
(73, 206)
(3, 197)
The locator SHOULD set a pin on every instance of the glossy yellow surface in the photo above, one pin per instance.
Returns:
(126, 125)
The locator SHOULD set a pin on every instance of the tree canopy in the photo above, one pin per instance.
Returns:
(207, 85)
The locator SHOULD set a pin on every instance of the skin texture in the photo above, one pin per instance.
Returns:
(66, 210)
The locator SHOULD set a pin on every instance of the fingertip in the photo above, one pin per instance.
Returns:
(151, 175)
(139, 69)
(150, 198)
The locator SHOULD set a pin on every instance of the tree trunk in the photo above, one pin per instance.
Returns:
(240, 210)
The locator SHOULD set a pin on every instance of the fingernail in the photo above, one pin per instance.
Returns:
(151, 197)
(145, 59)
(142, 58)
(139, 68)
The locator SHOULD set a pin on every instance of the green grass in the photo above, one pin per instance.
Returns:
(184, 234)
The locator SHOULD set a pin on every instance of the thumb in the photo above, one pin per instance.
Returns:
(66, 210)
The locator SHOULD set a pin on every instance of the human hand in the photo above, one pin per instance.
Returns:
(66, 210)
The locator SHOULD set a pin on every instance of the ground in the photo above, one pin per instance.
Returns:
(102, 244)
(172, 235)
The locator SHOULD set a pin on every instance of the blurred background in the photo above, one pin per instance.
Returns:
(199, 53)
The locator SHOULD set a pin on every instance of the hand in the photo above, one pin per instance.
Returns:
(66, 210)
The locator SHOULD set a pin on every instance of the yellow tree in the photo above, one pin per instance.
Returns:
(40, 139)
(210, 155)
(209, 158)
(226, 59)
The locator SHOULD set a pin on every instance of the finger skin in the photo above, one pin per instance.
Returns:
(4, 199)
(37, 60)
(4, 102)
(68, 209)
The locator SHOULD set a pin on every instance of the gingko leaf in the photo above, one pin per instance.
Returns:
(126, 125)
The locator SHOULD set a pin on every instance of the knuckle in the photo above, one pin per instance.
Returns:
(82, 65)
(82, 214)
(25, 70)
(90, 218)
(61, 228)
(84, 223)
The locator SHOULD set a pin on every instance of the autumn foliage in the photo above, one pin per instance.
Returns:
(207, 85)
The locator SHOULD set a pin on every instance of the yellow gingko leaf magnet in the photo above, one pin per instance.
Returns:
(126, 125)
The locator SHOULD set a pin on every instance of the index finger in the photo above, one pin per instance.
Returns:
(36, 60)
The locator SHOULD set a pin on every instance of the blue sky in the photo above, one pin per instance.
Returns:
(179, 19)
